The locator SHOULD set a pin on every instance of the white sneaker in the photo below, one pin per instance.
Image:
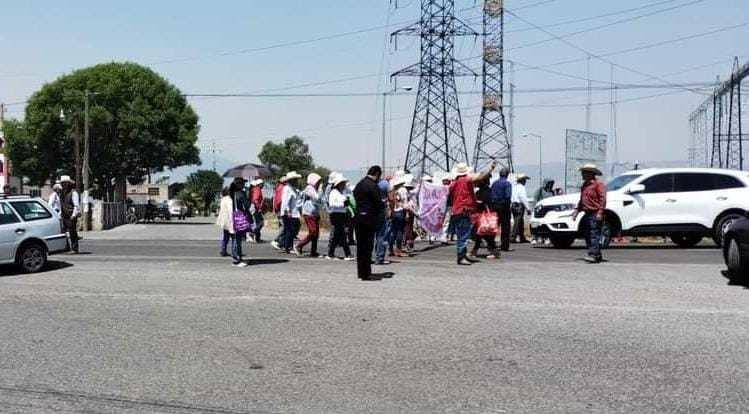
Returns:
(275, 245)
(348, 258)
(240, 264)
(534, 242)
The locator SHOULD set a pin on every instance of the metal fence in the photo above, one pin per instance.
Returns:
(108, 215)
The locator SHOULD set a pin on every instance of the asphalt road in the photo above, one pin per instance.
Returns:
(166, 326)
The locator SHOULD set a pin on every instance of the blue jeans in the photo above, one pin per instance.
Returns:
(593, 235)
(464, 230)
(291, 227)
(236, 247)
(225, 242)
(383, 239)
(259, 222)
(398, 227)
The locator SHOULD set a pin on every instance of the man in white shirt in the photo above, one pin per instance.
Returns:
(520, 208)
(290, 212)
(54, 199)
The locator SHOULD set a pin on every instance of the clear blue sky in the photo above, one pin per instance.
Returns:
(40, 40)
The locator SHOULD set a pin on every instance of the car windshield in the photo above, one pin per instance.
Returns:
(620, 181)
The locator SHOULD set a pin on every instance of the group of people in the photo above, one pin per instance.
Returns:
(383, 213)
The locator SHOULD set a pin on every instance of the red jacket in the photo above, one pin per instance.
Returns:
(256, 198)
(593, 197)
(277, 197)
(463, 196)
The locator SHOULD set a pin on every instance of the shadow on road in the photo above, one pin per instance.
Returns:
(52, 265)
(735, 281)
(257, 262)
(178, 223)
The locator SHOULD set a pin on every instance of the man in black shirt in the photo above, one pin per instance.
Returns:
(369, 208)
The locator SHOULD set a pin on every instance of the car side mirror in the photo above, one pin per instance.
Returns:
(636, 189)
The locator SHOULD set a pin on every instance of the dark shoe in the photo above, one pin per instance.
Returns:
(472, 260)
(383, 263)
(385, 275)
(314, 255)
(371, 278)
(593, 260)
(224, 254)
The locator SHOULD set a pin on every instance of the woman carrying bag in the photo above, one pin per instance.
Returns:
(233, 217)
(484, 221)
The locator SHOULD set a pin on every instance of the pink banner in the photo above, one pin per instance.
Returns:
(433, 208)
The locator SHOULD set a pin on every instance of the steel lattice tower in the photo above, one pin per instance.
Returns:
(493, 142)
(437, 141)
(730, 142)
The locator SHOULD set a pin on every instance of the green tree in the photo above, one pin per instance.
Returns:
(139, 124)
(290, 155)
(204, 186)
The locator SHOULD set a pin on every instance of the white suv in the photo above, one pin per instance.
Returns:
(29, 231)
(684, 204)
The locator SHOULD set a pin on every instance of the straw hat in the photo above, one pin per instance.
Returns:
(293, 175)
(591, 168)
(313, 179)
(396, 181)
(426, 178)
(66, 179)
(339, 179)
(522, 177)
(408, 180)
(461, 169)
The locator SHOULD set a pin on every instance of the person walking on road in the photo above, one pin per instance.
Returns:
(54, 201)
(337, 203)
(277, 200)
(70, 210)
(311, 214)
(290, 211)
(483, 203)
(520, 208)
(593, 206)
(369, 212)
(464, 204)
(384, 227)
(501, 202)
(257, 202)
(223, 223)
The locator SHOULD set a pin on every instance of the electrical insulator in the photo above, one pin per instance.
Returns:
(492, 102)
(492, 54)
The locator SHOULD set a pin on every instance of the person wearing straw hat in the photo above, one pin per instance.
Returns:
(54, 200)
(311, 214)
(70, 210)
(337, 204)
(400, 200)
(277, 199)
(258, 207)
(368, 217)
(520, 207)
(290, 211)
(463, 196)
(593, 206)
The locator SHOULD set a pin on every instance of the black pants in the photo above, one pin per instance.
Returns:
(505, 218)
(338, 238)
(518, 229)
(70, 225)
(366, 229)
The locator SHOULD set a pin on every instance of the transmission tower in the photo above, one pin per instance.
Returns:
(493, 142)
(730, 141)
(437, 141)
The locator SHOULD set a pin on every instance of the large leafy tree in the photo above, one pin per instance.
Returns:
(203, 186)
(139, 124)
(290, 155)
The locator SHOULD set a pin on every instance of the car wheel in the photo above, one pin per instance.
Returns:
(735, 261)
(686, 240)
(31, 258)
(562, 241)
(722, 225)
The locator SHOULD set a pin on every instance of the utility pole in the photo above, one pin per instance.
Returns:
(86, 141)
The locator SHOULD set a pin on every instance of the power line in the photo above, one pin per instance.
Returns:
(603, 57)
(607, 25)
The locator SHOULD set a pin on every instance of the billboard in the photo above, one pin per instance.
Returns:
(581, 148)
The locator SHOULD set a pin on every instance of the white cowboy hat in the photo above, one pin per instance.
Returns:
(292, 175)
(408, 180)
(396, 181)
(313, 179)
(66, 179)
(522, 177)
(591, 168)
(461, 169)
(339, 179)
(257, 182)
(427, 178)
